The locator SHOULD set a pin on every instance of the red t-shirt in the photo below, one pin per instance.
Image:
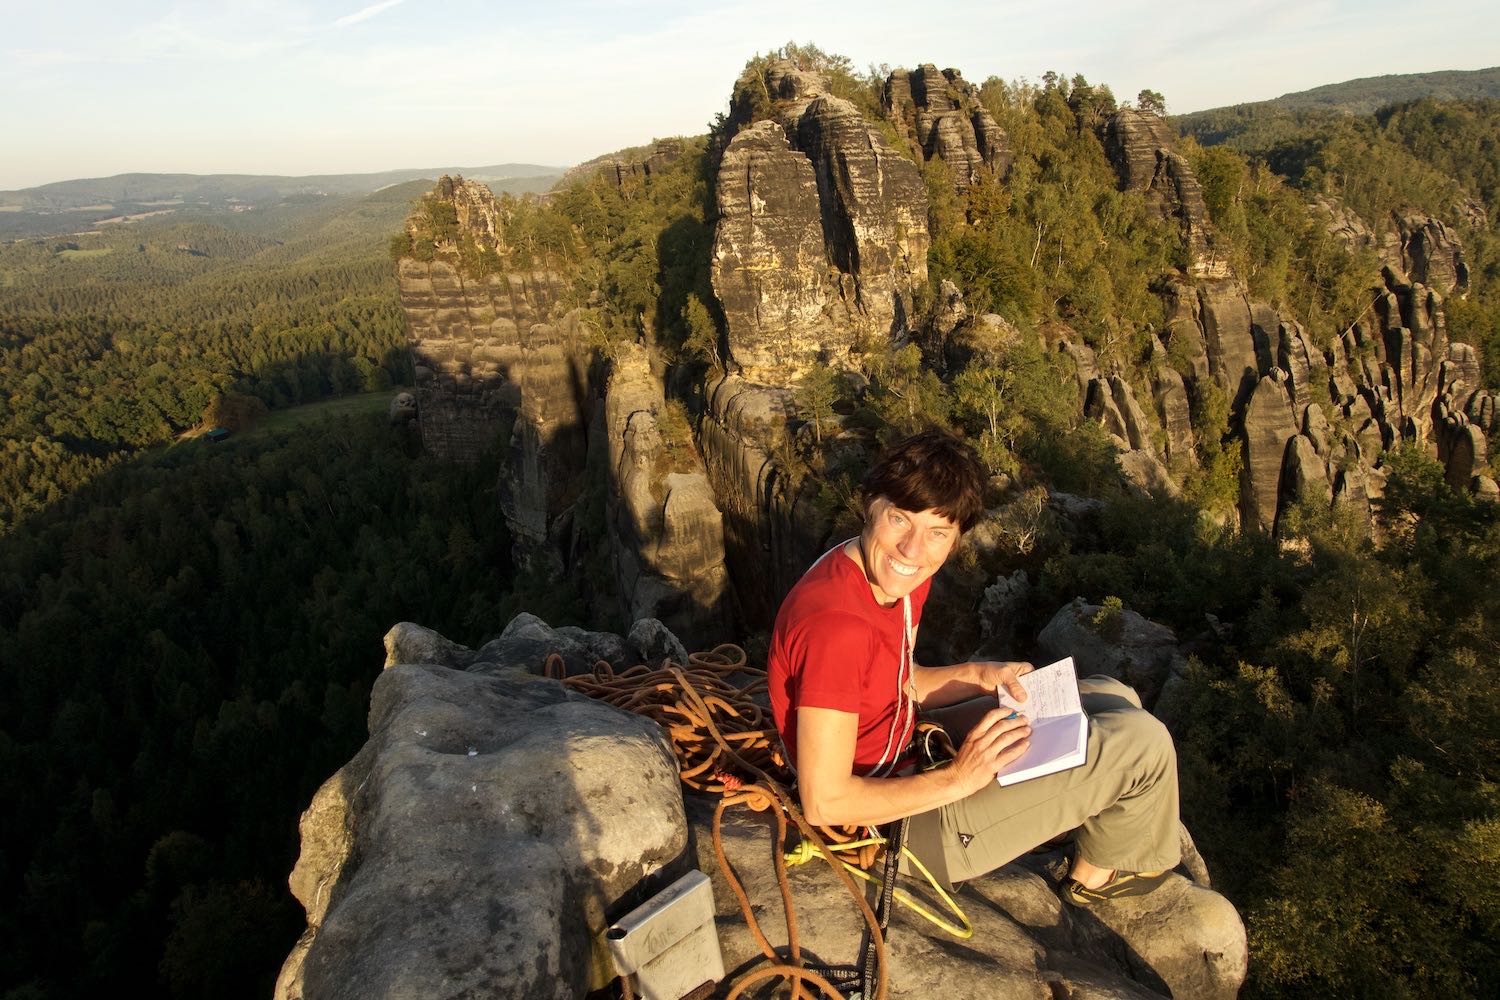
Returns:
(834, 647)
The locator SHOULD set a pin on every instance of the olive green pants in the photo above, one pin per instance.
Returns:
(1121, 804)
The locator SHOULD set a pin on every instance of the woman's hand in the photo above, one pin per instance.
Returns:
(996, 675)
(1000, 737)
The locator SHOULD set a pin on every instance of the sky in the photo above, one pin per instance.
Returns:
(96, 88)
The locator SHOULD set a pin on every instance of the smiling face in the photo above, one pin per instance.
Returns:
(902, 548)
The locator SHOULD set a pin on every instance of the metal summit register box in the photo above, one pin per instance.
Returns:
(668, 942)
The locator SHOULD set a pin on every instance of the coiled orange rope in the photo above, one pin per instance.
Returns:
(744, 725)
(725, 744)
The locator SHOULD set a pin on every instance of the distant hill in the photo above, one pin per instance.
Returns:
(1259, 124)
(78, 205)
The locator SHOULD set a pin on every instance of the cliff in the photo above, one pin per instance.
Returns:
(1391, 377)
(818, 265)
(819, 250)
(504, 362)
(499, 360)
(822, 235)
(943, 117)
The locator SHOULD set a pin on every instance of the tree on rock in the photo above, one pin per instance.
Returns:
(1152, 101)
(815, 397)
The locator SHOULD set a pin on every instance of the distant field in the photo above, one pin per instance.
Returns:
(96, 252)
(364, 404)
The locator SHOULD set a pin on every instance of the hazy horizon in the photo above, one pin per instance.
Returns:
(547, 167)
(302, 87)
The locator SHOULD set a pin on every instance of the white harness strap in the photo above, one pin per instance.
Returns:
(904, 719)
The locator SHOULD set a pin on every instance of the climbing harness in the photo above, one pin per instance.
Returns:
(725, 744)
(963, 930)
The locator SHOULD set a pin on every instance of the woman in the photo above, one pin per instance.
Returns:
(845, 694)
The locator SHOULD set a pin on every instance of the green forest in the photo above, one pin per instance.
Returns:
(189, 630)
(116, 343)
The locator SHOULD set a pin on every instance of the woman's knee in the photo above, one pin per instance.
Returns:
(1139, 734)
(1104, 688)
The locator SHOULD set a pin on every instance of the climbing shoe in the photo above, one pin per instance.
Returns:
(1122, 885)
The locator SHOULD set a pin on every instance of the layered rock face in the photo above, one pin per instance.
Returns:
(666, 527)
(1428, 251)
(626, 165)
(1346, 226)
(943, 115)
(822, 237)
(874, 209)
(663, 152)
(1316, 421)
(467, 339)
(1409, 243)
(475, 206)
(772, 528)
(820, 247)
(1312, 420)
(498, 363)
(770, 263)
(548, 440)
(1141, 145)
(1149, 447)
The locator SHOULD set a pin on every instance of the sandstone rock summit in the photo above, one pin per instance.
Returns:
(496, 823)
(944, 117)
(475, 844)
(822, 234)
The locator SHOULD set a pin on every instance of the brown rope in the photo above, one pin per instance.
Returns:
(721, 737)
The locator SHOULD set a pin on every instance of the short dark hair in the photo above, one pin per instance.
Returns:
(931, 470)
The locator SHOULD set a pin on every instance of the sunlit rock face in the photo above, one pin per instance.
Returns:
(874, 214)
(1409, 243)
(1313, 417)
(820, 248)
(466, 338)
(942, 115)
(770, 263)
(487, 831)
(500, 363)
(1428, 251)
(1142, 147)
(822, 236)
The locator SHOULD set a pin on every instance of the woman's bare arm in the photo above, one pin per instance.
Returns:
(832, 795)
(939, 686)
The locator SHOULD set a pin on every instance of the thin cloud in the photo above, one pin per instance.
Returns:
(33, 59)
(365, 14)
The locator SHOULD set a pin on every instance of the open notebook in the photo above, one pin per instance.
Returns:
(1059, 729)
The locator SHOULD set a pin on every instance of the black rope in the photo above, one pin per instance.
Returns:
(895, 840)
(862, 980)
